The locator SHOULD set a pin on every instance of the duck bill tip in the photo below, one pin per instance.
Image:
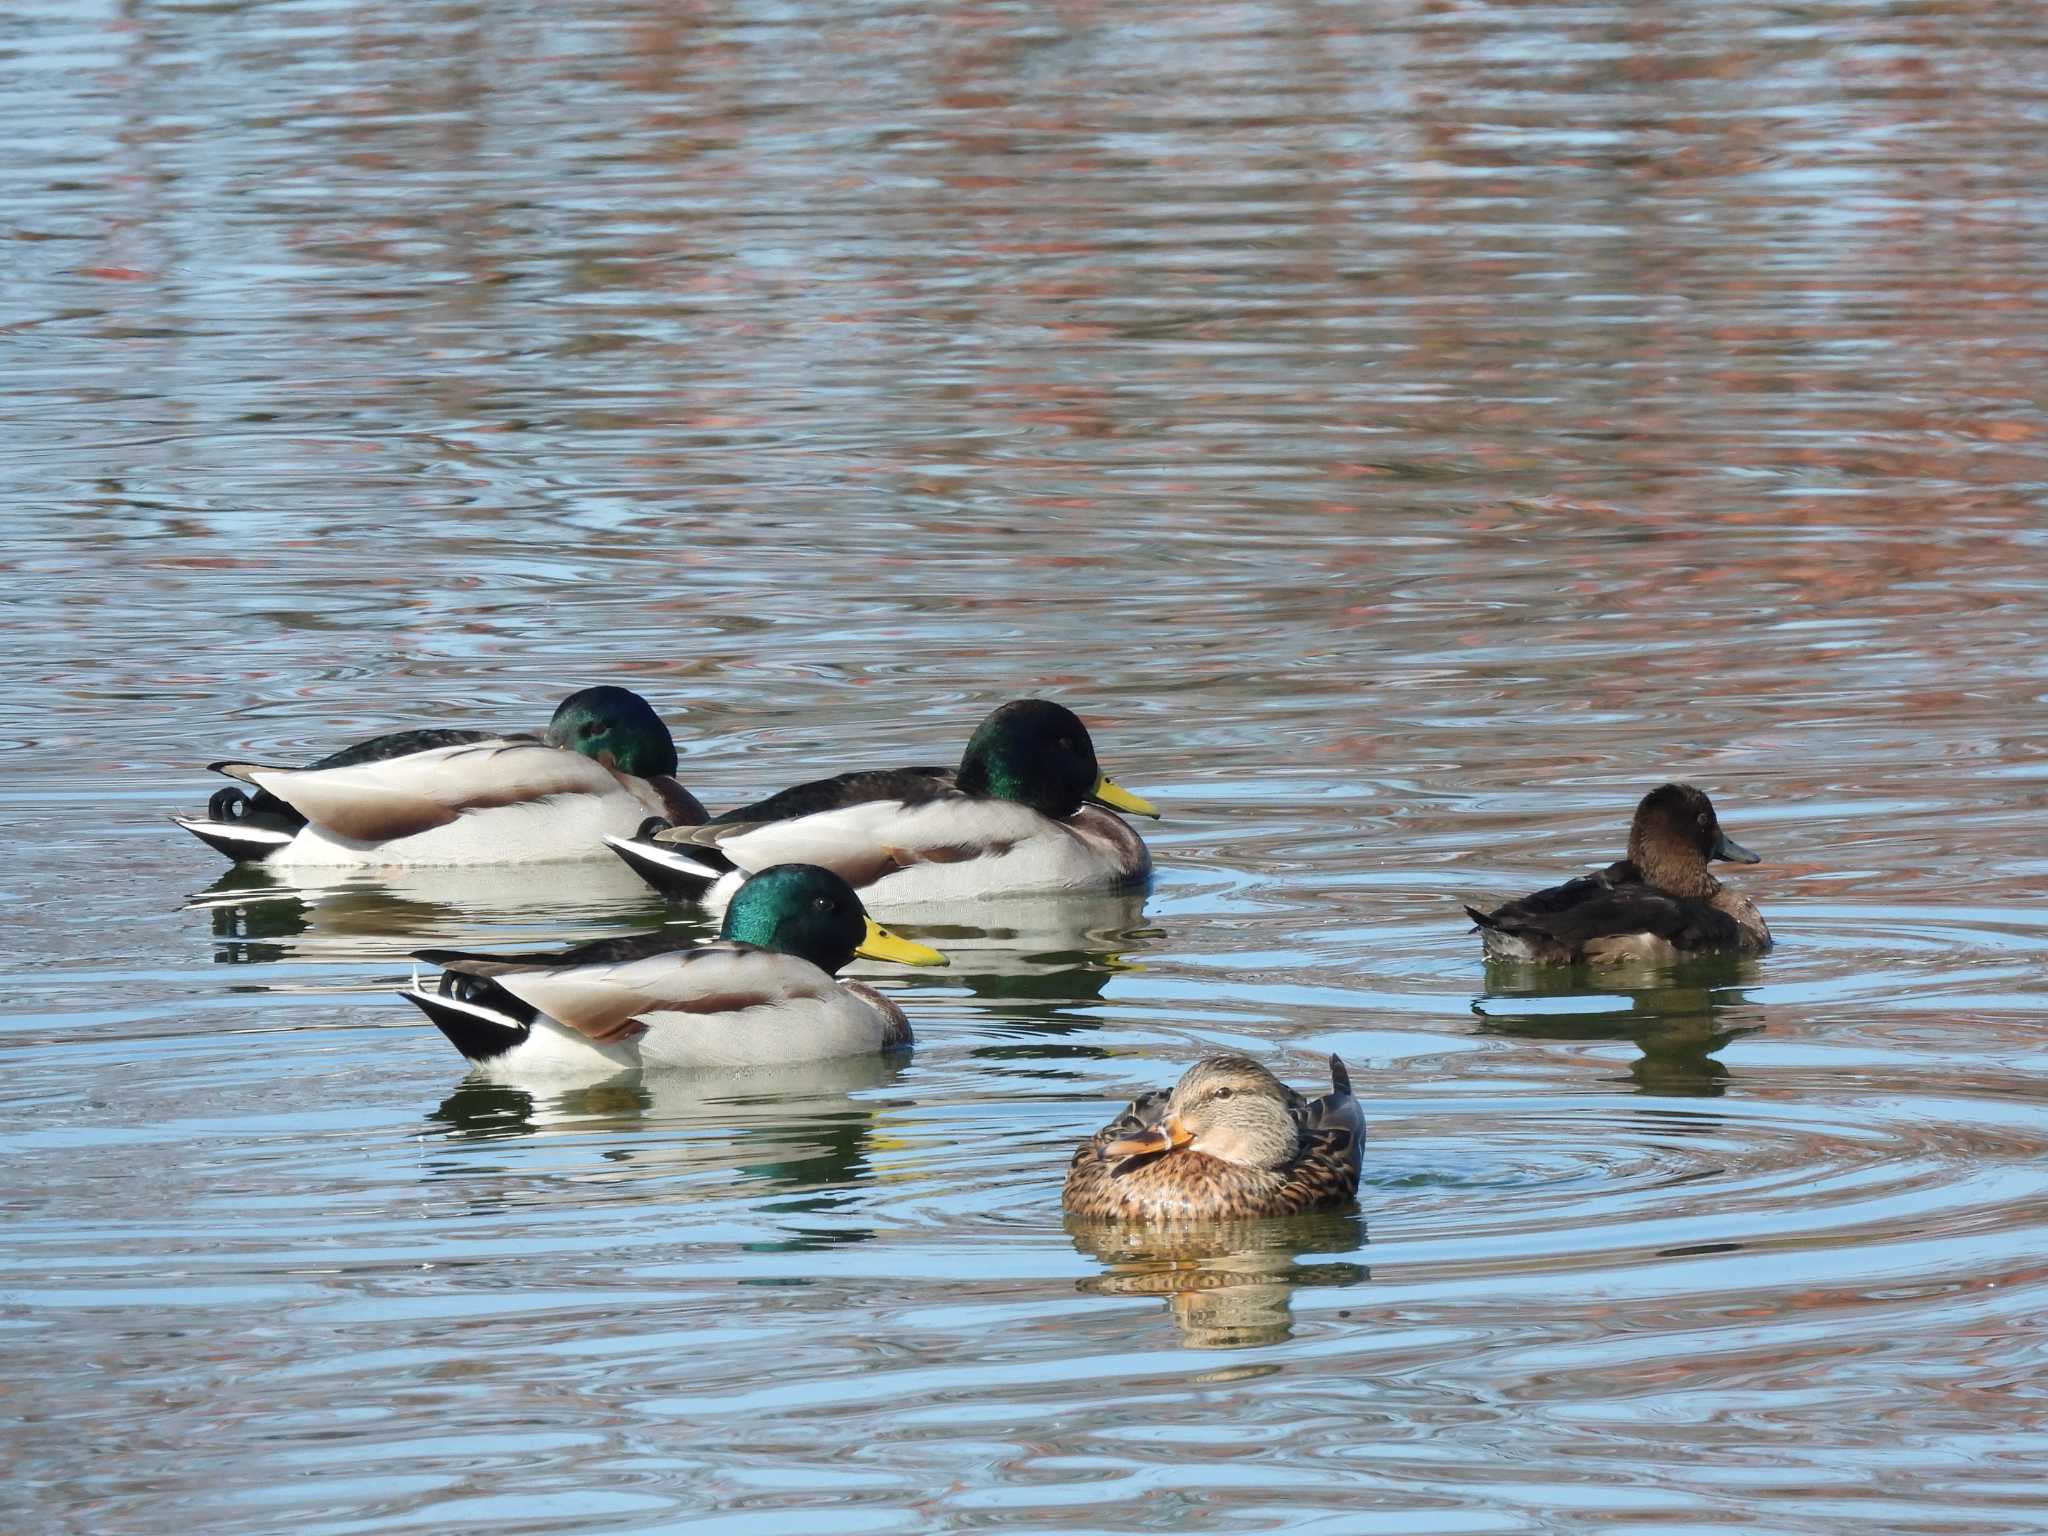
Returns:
(1730, 851)
(878, 943)
(1164, 1137)
(1107, 792)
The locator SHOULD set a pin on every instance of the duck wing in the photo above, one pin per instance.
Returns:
(397, 793)
(1325, 1174)
(1337, 1119)
(607, 991)
(1626, 912)
(380, 749)
(904, 786)
(1561, 898)
(599, 952)
(866, 825)
(376, 749)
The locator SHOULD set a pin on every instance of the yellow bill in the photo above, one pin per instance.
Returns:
(880, 944)
(1112, 794)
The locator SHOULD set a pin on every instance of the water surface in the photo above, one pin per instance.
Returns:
(1406, 433)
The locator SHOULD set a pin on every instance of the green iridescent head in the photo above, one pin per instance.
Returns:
(616, 727)
(1038, 753)
(809, 912)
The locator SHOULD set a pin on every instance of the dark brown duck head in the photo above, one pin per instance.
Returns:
(1230, 1108)
(1674, 837)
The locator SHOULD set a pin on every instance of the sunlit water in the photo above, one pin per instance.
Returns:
(1406, 434)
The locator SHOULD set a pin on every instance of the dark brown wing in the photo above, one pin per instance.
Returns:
(1688, 925)
(1333, 1147)
(1562, 898)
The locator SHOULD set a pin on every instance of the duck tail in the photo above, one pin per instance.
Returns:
(245, 826)
(669, 869)
(234, 838)
(1340, 1077)
(1484, 920)
(479, 1018)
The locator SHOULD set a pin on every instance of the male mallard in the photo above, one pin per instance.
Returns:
(761, 995)
(1231, 1140)
(1017, 817)
(457, 796)
(1657, 904)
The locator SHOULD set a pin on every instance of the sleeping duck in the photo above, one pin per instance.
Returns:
(459, 796)
(763, 994)
(1018, 816)
(1657, 904)
(1231, 1140)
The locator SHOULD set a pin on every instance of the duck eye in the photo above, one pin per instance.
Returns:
(589, 729)
(1221, 1093)
(1066, 743)
(822, 903)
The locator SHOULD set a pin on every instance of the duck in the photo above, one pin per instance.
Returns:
(763, 994)
(1028, 811)
(1229, 1141)
(1659, 904)
(453, 796)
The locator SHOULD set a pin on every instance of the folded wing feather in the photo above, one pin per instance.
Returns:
(397, 797)
(598, 1000)
(862, 842)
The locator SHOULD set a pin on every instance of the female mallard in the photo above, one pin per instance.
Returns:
(1017, 817)
(1231, 1140)
(459, 797)
(762, 995)
(1657, 904)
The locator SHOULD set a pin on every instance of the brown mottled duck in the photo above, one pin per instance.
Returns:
(1229, 1141)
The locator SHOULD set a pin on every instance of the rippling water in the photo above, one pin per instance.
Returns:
(1406, 432)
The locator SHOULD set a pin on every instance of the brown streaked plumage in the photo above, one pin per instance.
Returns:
(1659, 903)
(1229, 1141)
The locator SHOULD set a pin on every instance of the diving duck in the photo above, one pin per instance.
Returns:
(763, 994)
(1658, 904)
(1019, 816)
(442, 796)
(1229, 1141)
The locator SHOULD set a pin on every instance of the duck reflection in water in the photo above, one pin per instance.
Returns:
(1038, 952)
(1036, 970)
(262, 915)
(1226, 1284)
(1677, 1016)
(809, 1131)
